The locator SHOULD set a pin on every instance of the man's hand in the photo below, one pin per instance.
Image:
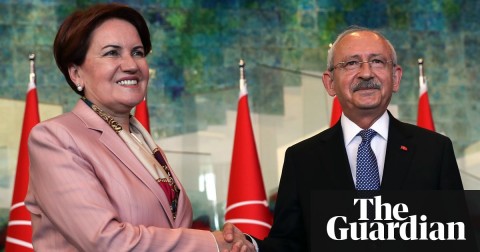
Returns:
(232, 239)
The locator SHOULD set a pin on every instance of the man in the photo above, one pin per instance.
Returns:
(363, 73)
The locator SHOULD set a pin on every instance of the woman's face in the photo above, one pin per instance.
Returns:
(115, 71)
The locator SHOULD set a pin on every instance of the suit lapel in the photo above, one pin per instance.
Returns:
(337, 159)
(116, 145)
(400, 150)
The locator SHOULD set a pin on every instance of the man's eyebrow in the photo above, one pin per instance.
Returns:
(357, 56)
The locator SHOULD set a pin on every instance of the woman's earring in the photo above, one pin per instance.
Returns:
(79, 88)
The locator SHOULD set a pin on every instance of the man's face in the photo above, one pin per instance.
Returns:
(367, 88)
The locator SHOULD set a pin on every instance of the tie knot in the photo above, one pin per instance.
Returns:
(367, 135)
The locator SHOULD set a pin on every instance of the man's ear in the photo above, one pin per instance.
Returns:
(397, 77)
(327, 79)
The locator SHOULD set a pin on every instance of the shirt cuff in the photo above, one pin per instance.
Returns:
(253, 241)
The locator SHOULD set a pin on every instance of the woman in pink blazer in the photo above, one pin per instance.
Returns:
(98, 181)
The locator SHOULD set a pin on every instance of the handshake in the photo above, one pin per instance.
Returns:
(232, 239)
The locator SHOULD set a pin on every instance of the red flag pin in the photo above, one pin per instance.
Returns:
(403, 147)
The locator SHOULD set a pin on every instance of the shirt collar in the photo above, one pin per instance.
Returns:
(350, 129)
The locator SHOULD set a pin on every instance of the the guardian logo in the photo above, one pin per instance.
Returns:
(391, 223)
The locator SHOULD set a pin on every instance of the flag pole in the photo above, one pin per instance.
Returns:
(243, 80)
(241, 65)
(421, 76)
(32, 75)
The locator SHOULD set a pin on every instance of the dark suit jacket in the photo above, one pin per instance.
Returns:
(416, 159)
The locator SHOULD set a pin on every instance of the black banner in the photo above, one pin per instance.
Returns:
(394, 221)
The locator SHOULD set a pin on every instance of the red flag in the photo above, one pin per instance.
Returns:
(247, 205)
(424, 115)
(141, 113)
(336, 111)
(19, 231)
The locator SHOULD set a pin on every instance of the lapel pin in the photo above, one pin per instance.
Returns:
(403, 147)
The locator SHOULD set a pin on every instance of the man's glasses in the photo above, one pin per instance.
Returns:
(354, 65)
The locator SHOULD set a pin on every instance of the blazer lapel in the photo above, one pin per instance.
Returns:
(116, 145)
(400, 150)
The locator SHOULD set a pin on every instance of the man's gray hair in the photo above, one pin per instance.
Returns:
(353, 29)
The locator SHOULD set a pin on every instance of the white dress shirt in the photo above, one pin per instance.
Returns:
(353, 140)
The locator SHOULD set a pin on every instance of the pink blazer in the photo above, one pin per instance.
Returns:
(88, 192)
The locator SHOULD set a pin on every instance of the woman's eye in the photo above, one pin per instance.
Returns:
(139, 53)
(111, 53)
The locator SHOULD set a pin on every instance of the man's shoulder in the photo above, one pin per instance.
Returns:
(417, 132)
(315, 140)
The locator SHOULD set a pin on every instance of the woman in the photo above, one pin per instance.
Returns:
(98, 181)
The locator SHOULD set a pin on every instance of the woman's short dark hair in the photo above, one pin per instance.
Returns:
(74, 35)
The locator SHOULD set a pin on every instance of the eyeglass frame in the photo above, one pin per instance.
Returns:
(359, 64)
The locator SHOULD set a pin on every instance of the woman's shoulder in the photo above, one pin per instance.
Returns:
(63, 120)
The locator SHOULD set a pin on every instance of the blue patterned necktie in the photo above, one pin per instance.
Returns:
(368, 177)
